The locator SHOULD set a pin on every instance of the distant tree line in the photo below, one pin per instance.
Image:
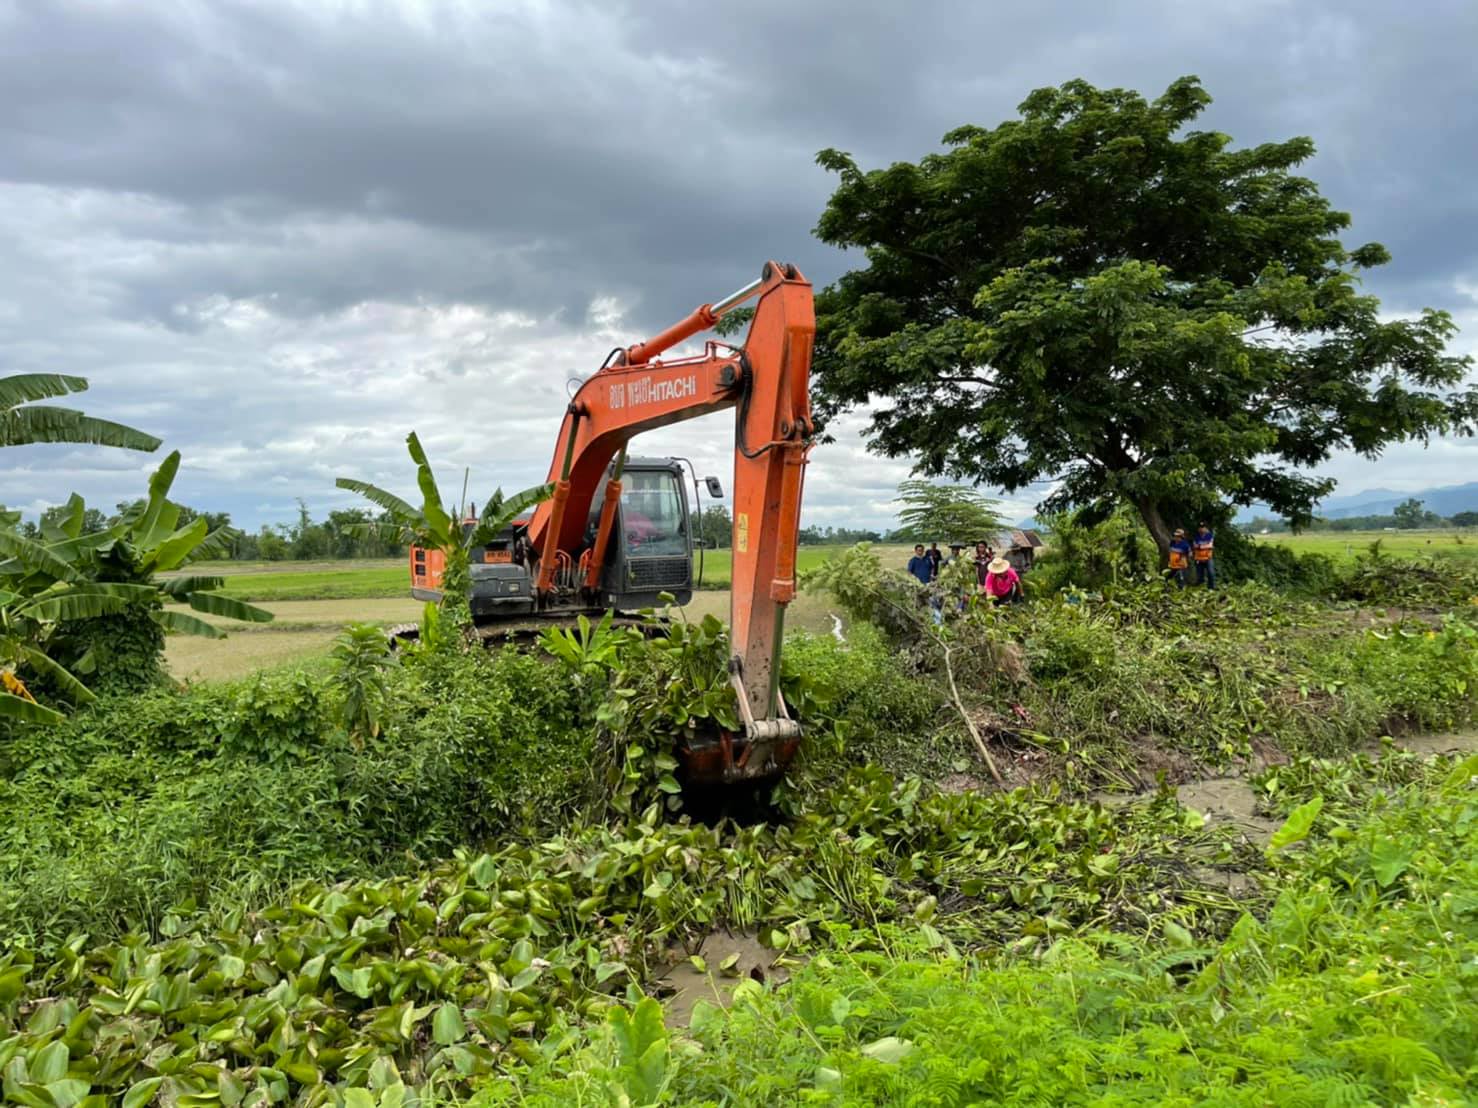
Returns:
(716, 528)
(1409, 515)
(305, 539)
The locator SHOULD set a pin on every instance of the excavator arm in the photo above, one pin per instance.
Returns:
(766, 381)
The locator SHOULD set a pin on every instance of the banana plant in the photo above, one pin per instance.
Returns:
(26, 625)
(27, 621)
(436, 525)
(20, 426)
(74, 579)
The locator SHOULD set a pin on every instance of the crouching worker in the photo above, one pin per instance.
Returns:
(1002, 583)
(1180, 557)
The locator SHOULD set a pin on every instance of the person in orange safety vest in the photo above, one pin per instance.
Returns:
(1203, 547)
(1180, 558)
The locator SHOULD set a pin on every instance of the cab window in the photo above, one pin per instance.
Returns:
(652, 515)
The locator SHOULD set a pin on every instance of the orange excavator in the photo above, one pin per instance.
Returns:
(617, 533)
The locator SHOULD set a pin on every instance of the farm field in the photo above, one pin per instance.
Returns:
(1346, 546)
(336, 580)
(303, 630)
(389, 577)
(719, 564)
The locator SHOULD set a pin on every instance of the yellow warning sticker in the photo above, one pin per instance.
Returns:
(741, 532)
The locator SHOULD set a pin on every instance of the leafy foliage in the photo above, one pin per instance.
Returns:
(1203, 677)
(1097, 295)
(363, 655)
(1354, 988)
(23, 422)
(188, 816)
(95, 598)
(351, 984)
(945, 513)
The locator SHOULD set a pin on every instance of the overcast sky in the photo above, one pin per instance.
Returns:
(280, 236)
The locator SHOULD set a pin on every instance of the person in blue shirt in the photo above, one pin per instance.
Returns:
(1203, 546)
(1180, 558)
(920, 565)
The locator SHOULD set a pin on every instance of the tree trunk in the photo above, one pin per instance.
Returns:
(1149, 511)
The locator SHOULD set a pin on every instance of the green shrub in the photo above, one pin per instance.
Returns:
(480, 744)
(281, 718)
(225, 794)
(362, 656)
(879, 708)
(118, 654)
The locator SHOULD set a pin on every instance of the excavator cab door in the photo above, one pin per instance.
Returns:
(652, 549)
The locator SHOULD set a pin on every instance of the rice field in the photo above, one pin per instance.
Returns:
(1348, 545)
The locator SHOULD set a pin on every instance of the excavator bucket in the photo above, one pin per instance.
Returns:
(724, 758)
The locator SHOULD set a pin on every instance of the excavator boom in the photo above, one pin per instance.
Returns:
(766, 382)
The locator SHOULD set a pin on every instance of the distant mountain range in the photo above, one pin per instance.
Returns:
(1445, 501)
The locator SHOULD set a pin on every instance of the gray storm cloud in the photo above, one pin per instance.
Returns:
(283, 235)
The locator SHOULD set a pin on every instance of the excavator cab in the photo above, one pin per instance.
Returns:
(654, 551)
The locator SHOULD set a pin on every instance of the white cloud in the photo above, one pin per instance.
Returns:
(283, 234)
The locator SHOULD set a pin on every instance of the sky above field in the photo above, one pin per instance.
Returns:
(281, 236)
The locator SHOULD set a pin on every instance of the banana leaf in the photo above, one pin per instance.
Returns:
(19, 708)
(179, 588)
(387, 500)
(177, 548)
(217, 605)
(34, 557)
(187, 624)
(87, 601)
(70, 687)
(438, 520)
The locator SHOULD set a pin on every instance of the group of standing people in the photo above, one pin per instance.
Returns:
(1201, 549)
(995, 578)
(998, 582)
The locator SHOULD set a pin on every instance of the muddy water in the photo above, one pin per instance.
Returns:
(1231, 800)
(1459, 742)
(690, 985)
(1228, 800)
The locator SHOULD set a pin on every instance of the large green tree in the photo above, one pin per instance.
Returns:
(1098, 296)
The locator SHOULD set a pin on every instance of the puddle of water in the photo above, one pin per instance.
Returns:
(1233, 882)
(1228, 800)
(690, 985)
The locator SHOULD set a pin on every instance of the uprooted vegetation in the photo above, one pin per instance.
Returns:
(459, 872)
